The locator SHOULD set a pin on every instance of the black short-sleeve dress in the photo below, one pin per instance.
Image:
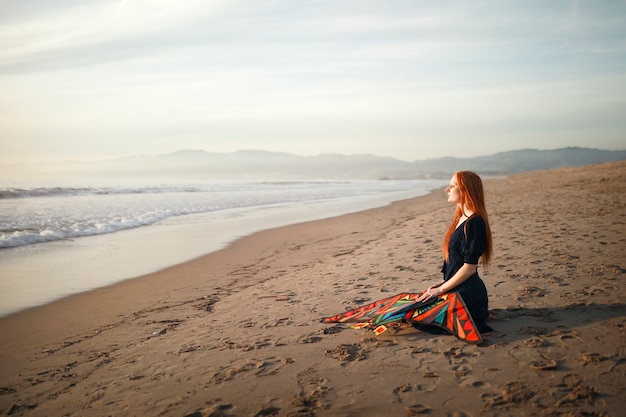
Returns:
(467, 244)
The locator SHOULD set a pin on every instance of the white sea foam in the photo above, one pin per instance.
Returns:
(91, 238)
(44, 214)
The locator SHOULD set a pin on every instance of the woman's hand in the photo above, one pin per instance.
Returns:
(432, 292)
(466, 271)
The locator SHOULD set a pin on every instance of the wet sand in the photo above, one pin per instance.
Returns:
(237, 332)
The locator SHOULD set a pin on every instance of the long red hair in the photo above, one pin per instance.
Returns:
(471, 188)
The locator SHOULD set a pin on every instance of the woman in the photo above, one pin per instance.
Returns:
(467, 240)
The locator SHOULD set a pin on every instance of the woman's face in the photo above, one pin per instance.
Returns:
(454, 195)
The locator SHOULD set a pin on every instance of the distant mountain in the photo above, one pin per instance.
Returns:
(263, 166)
(512, 162)
(241, 165)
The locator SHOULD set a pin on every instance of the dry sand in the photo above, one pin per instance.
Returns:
(237, 332)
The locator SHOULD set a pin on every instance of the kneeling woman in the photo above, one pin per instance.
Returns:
(467, 240)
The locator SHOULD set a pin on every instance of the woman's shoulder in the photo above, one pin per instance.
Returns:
(476, 218)
(476, 221)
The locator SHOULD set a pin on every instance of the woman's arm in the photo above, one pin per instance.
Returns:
(466, 271)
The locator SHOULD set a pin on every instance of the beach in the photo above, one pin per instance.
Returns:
(237, 332)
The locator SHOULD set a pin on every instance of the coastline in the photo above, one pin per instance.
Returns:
(236, 332)
(38, 274)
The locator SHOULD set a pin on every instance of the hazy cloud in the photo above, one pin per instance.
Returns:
(409, 79)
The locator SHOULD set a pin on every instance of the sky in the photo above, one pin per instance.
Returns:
(99, 79)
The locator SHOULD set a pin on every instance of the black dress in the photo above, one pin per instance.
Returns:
(467, 244)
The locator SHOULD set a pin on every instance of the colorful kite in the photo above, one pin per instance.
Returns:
(447, 311)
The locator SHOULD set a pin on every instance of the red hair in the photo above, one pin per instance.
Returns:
(472, 197)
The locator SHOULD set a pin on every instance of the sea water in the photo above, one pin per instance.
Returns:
(60, 239)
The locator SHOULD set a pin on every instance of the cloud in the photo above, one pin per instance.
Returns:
(80, 33)
(309, 75)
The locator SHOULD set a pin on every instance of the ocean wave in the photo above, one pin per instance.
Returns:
(13, 237)
(30, 215)
(8, 193)
(15, 192)
(39, 220)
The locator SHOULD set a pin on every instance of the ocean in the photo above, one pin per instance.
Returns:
(60, 239)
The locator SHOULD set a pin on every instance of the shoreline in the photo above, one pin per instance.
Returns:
(237, 332)
(54, 270)
(247, 243)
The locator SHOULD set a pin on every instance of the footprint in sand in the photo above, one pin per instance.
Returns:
(280, 322)
(515, 394)
(260, 367)
(260, 343)
(310, 338)
(536, 342)
(407, 396)
(234, 368)
(267, 412)
(357, 301)
(529, 292)
(271, 366)
(593, 358)
(563, 333)
(347, 353)
(220, 410)
(312, 389)
(536, 359)
(575, 392)
(461, 355)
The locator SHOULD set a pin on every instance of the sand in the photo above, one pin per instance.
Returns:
(237, 332)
